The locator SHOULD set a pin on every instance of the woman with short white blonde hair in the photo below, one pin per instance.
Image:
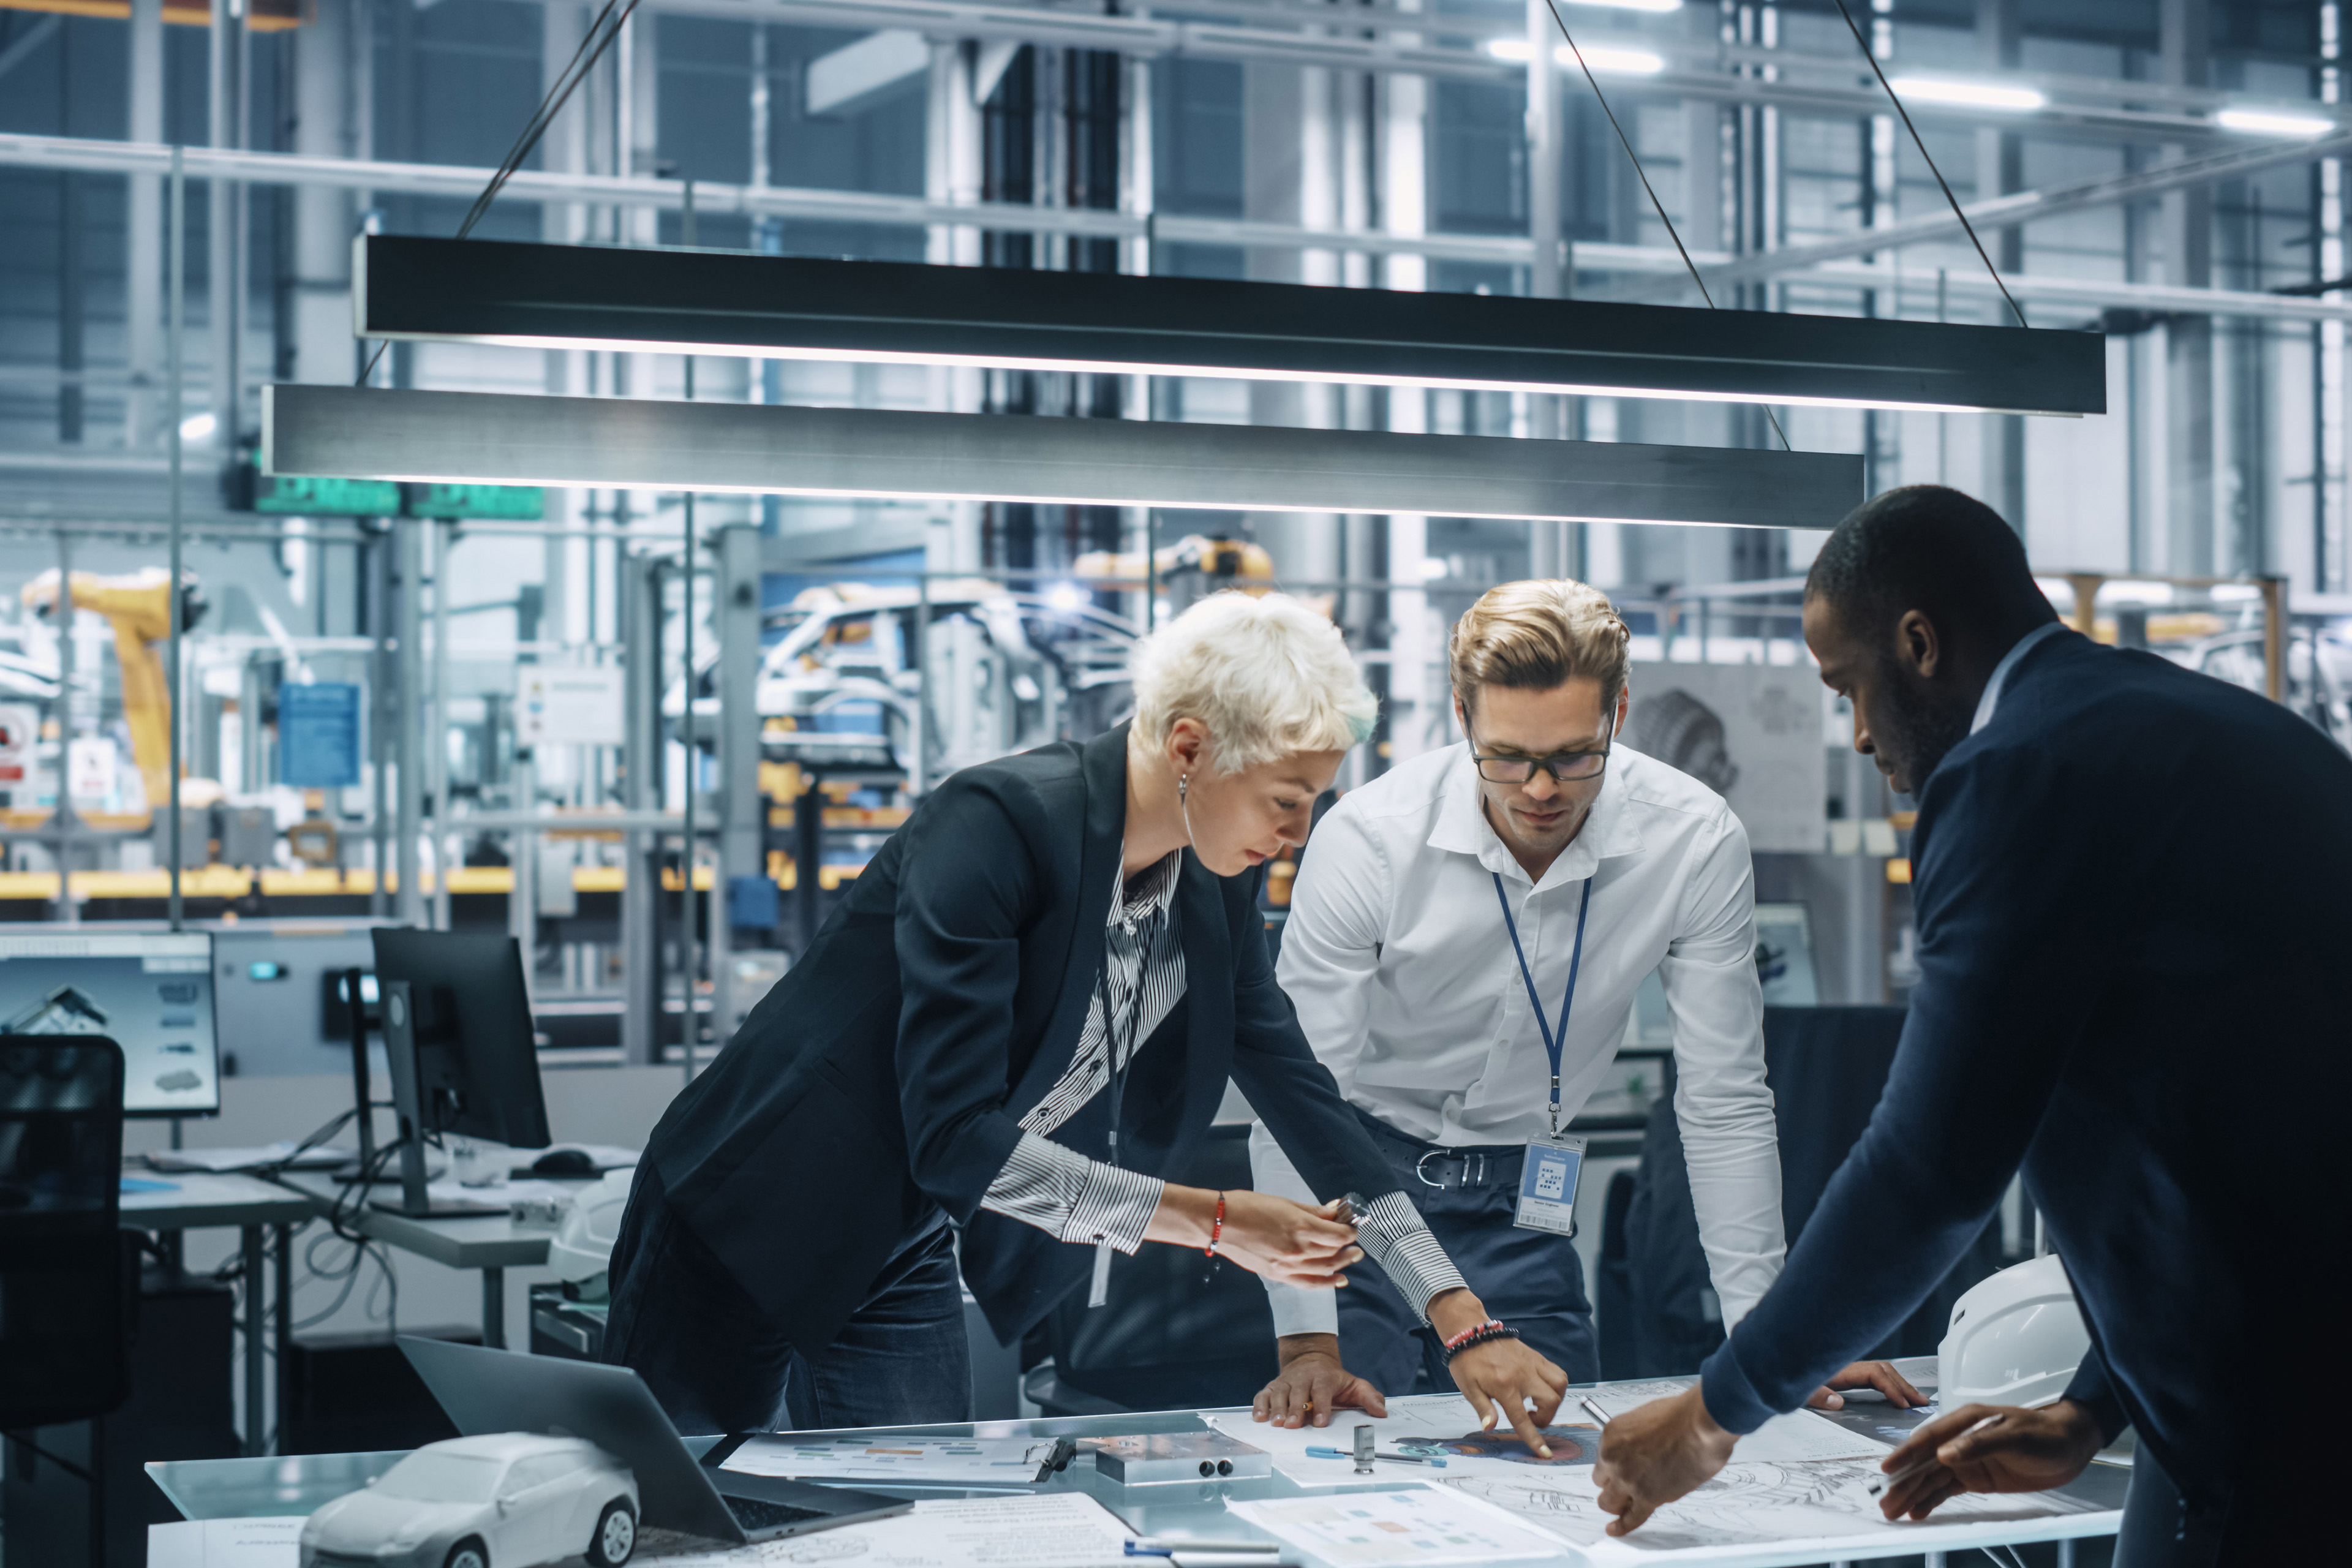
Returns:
(1021, 1017)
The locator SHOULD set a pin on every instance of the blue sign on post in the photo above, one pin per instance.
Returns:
(318, 735)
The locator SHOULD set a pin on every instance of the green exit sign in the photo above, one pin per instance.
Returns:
(327, 498)
(520, 502)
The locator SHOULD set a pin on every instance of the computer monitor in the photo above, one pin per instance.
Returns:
(458, 1044)
(149, 991)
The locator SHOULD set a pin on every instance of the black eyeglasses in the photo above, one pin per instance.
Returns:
(1566, 767)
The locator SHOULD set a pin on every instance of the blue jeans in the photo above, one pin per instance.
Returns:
(717, 1364)
(1531, 1279)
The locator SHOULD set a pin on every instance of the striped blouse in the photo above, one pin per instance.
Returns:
(1076, 1199)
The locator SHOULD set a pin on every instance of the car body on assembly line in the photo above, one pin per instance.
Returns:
(507, 1501)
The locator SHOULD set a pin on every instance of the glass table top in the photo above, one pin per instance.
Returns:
(298, 1484)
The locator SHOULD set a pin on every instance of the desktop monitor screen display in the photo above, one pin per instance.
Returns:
(149, 991)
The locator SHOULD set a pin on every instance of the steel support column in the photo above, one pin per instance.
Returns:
(408, 699)
(640, 758)
(743, 810)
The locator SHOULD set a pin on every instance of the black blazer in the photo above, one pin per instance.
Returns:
(2135, 981)
(890, 1069)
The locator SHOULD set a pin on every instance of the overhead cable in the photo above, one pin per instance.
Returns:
(1644, 175)
(599, 37)
(1894, 98)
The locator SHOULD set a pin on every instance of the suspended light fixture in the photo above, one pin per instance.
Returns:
(464, 437)
(770, 307)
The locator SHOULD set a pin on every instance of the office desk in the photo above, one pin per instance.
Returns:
(492, 1242)
(230, 1489)
(199, 1201)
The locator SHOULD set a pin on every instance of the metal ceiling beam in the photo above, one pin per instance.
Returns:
(735, 303)
(849, 453)
(2027, 207)
(778, 201)
(1350, 40)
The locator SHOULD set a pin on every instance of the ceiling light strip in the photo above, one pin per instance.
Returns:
(463, 437)
(734, 303)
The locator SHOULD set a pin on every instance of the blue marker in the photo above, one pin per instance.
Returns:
(1398, 1458)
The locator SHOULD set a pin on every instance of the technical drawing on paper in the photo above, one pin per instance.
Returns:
(1743, 1505)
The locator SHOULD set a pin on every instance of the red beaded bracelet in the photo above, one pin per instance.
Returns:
(1466, 1335)
(1216, 1228)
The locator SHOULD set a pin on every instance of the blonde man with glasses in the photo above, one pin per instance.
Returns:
(1464, 945)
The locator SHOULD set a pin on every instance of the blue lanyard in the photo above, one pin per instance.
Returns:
(1553, 1044)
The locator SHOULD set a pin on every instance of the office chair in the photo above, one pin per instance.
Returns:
(1827, 1066)
(64, 1286)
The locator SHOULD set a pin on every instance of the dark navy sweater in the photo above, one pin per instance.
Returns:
(2133, 890)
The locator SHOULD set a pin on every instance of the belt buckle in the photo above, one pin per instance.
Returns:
(1423, 1175)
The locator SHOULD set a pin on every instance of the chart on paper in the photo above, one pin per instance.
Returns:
(1363, 1530)
(922, 1461)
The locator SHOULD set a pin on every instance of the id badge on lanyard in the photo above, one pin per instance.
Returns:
(1548, 1174)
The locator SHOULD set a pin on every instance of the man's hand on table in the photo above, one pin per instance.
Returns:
(1501, 1377)
(1878, 1374)
(1656, 1453)
(2022, 1451)
(1312, 1384)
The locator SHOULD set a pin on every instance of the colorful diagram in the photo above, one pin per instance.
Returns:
(1569, 1445)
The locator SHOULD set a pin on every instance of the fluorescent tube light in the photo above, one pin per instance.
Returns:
(1659, 6)
(1606, 61)
(2270, 122)
(761, 307)
(467, 438)
(1603, 58)
(1970, 94)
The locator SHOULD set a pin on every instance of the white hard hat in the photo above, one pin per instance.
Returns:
(583, 1247)
(2015, 1339)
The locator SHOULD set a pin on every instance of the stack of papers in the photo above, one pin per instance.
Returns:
(902, 1460)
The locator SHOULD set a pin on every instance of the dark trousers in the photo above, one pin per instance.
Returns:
(716, 1363)
(1531, 1279)
(2286, 1514)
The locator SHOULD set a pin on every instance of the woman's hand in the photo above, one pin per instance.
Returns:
(1273, 1237)
(1312, 1384)
(2022, 1451)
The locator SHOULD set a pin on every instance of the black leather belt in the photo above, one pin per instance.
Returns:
(1444, 1168)
(1434, 1166)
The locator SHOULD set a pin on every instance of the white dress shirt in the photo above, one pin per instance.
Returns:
(1396, 957)
(2000, 679)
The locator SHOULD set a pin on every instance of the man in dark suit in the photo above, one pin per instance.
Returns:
(2133, 891)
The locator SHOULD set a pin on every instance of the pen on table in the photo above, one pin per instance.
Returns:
(1598, 1414)
(1922, 1467)
(1148, 1543)
(1399, 1458)
(1908, 1471)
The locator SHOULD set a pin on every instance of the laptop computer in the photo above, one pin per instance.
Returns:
(485, 1390)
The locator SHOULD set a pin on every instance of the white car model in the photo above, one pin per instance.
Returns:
(510, 1500)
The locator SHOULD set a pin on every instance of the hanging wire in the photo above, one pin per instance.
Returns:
(1644, 175)
(599, 37)
(1940, 181)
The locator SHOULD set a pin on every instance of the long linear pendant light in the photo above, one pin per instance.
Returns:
(729, 303)
(337, 432)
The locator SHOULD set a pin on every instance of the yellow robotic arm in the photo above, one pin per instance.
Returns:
(139, 607)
